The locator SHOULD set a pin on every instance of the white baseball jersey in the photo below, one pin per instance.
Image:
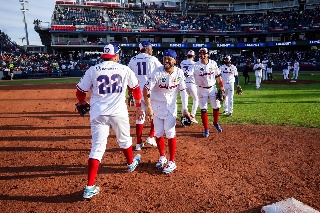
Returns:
(142, 65)
(108, 81)
(228, 73)
(186, 66)
(265, 63)
(164, 89)
(296, 65)
(258, 72)
(205, 75)
(269, 66)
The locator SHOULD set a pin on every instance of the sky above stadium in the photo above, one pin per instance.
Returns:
(11, 19)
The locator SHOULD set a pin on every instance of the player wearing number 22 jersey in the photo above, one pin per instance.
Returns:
(142, 65)
(108, 82)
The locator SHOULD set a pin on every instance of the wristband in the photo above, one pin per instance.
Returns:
(221, 84)
(138, 104)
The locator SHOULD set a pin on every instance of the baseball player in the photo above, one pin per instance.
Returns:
(108, 82)
(296, 68)
(142, 65)
(258, 67)
(186, 66)
(206, 73)
(160, 95)
(264, 71)
(285, 70)
(269, 70)
(246, 70)
(229, 74)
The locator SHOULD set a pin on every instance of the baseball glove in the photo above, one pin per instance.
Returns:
(185, 121)
(221, 95)
(130, 99)
(82, 109)
(239, 90)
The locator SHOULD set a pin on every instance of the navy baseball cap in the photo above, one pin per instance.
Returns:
(144, 44)
(170, 53)
(110, 51)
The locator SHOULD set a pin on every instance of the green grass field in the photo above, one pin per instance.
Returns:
(291, 104)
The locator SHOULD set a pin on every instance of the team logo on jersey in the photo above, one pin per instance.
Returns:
(163, 80)
(175, 80)
(201, 69)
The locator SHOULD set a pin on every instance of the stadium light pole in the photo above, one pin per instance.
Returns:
(24, 19)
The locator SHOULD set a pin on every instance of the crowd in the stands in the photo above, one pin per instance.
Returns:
(163, 20)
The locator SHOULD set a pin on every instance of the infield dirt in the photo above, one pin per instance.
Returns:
(45, 145)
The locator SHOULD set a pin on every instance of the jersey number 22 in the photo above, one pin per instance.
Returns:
(115, 87)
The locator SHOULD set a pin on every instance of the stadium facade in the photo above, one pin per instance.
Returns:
(236, 27)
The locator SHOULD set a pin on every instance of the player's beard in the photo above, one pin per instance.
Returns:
(168, 66)
(204, 59)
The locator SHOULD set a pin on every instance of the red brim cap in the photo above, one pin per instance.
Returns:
(107, 56)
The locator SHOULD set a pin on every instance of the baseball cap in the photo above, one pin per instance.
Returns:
(144, 44)
(258, 60)
(110, 51)
(203, 50)
(191, 52)
(228, 57)
(170, 53)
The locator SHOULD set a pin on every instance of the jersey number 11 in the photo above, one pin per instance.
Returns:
(142, 68)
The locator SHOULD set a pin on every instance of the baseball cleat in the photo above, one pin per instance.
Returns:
(136, 160)
(151, 141)
(171, 166)
(162, 161)
(193, 120)
(206, 133)
(139, 146)
(90, 191)
(225, 112)
(218, 127)
(230, 114)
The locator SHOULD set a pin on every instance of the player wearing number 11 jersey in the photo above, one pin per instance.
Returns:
(142, 65)
(186, 66)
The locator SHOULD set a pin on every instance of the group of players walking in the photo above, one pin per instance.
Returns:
(155, 88)
(263, 70)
